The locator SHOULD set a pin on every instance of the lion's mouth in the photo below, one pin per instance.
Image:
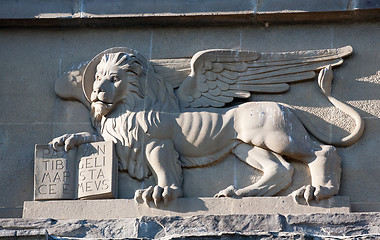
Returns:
(104, 104)
(98, 110)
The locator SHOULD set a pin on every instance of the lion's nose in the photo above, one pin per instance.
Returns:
(95, 93)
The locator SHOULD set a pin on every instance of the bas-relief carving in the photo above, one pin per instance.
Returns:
(160, 130)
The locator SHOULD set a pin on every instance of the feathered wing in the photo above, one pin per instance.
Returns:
(217, 76)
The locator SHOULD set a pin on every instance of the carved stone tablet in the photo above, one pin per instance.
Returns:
(97, 170)
(54, 173)
(89, 171)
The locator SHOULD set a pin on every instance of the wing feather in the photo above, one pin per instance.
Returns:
(207, 101)
(265, 88)
(236, 93)
(217, 76)
(287, 69)
(226, 80)
(294, 77)
(216, 91)
(222, 85)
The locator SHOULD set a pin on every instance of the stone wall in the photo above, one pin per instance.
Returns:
(259, 226)
(41, 42)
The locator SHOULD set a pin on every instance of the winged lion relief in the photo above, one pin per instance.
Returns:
(149, 110)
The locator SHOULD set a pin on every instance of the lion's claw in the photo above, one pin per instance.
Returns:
(58, 142)
(147, 195)
(310, 193)
(306, 193)
(67, 141)
(230, 191)
(157, 194)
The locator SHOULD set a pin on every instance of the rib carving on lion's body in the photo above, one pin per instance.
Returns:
(136, 109)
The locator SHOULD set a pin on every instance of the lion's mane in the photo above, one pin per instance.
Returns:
(147, 95)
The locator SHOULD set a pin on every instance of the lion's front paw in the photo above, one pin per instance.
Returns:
(230, 191)
(157, 194)
(309, 193)
(67, 141)
(70, 141)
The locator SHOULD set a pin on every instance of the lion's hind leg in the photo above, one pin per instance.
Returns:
(325, 171)
(277, 173)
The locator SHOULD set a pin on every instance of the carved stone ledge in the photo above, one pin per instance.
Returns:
(182, 13)
(127, 208)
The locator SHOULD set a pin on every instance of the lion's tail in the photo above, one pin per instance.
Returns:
(324, 81)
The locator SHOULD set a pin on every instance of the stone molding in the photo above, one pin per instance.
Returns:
(127, 208)
(97, 13)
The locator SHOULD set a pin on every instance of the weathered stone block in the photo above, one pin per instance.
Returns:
(230, 226)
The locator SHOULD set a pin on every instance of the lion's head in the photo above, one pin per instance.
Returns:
(123, 89)
(126, 78)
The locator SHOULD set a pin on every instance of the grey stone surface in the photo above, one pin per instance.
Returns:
(33, 234)
(34, 8)
(301, 6)
(97, 7)
(368, 152)
(123, 208)
(194, 39)
(243, 226)
(362, 4)
(335, 224)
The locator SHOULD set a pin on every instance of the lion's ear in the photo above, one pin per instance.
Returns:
(135, 67)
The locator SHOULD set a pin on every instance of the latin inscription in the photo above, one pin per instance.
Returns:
(92, 177)
(97, 171)
(54, 175)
